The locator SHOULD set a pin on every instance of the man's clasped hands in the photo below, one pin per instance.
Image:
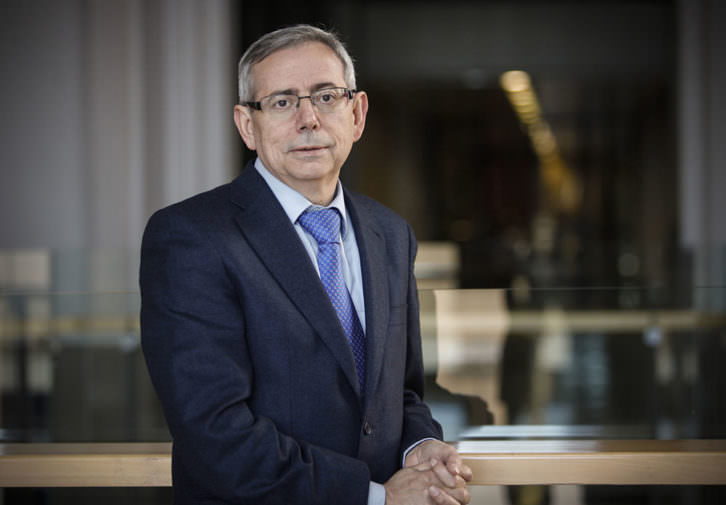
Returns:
(433, 473)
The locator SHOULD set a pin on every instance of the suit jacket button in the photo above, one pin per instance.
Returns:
(367, 429)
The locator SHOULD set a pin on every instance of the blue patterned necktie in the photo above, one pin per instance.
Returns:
(324, 226)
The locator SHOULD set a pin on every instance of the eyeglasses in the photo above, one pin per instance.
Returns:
(283, 104)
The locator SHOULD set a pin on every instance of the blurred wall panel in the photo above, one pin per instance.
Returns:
(702, 151)
(112, 110)
(42, 184)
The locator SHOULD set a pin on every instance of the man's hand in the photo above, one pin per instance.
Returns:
(435, 449)
(422, 484)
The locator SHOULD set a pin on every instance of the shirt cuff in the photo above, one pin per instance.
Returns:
(376, 494)
(413, 445)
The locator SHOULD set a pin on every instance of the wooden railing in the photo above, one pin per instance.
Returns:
(620, 462)
(509, 462)
(85, 465)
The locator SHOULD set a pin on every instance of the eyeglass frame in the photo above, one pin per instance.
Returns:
(349, 93)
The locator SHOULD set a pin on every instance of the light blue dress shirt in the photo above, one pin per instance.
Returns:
(294, 204)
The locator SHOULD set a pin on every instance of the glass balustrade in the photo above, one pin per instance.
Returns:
(501, 364)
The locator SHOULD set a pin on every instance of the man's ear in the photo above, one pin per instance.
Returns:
(360, 110)
(243, 120)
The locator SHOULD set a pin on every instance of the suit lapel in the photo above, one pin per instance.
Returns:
(269, 232)
(372, 247)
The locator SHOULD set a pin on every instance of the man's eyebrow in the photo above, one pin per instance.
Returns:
(324, 85)
(313, 89)
(288, 91)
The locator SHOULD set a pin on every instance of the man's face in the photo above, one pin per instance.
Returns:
(307, 148)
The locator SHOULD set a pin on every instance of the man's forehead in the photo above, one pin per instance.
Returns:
(294, 67)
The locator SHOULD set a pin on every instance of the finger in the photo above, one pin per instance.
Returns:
(444, 475)
(453, 465)
(466, 472)
(457, 467)
(426, 465)
(444, 497)
(459, 495)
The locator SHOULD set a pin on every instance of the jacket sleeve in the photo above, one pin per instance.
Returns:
(194, 343)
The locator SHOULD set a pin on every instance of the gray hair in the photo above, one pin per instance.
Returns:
(282, 39)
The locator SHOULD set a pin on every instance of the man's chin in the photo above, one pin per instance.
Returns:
(311, 168)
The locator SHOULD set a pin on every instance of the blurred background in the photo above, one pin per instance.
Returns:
(561, 162)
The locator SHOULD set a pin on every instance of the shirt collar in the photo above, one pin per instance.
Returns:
(294, 204)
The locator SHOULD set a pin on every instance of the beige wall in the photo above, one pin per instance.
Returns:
(111, 110)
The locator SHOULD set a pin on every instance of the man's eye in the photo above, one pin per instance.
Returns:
(281, 103)
(326, 98)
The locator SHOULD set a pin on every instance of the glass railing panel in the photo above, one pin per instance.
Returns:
(560, 363)
(72, 369)
(575, 363)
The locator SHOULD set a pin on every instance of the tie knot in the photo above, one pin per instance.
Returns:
(322, 224)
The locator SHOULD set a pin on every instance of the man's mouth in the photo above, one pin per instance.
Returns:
(308, 149)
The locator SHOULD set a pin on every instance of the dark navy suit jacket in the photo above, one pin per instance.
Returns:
(253, 369)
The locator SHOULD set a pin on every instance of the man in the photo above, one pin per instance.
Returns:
(279, 312)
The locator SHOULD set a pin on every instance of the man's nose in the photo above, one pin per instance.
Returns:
(306, 114)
